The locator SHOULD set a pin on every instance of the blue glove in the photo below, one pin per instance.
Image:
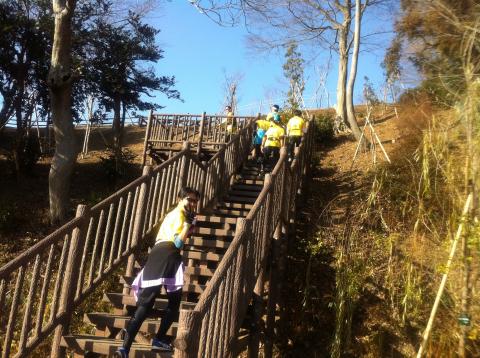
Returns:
(178, 243)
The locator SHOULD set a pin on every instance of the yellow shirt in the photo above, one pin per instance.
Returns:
(274, 135)
(231, 123)
(263, 124)
(172, 225)
(295, 126)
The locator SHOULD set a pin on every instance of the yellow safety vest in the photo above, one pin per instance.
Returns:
(274, 135)
(172, 225)
(295, 126)
(231, 123)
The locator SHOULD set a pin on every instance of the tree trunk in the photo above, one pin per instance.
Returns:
(60, 83)
(352, 120)
(7, 108)
(19, 146)
(343, 31)
(117, 132)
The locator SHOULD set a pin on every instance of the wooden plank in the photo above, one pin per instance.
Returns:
(240, 199)
(198, 255)
(103, 320)
(214, 232)
(230, 205)
(201, 242)
(232, 212)
(216, 219)
(244, 193)
(108, 346)
(256, 181)
(244, 187)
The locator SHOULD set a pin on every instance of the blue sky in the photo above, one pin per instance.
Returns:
(198, 52)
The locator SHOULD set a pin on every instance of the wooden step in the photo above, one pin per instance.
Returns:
(108, 346)
(250, 177)
(118, 300)
(240, 199)
(250, 181)
(199, 255)
(104, 320)
(249, 188)
(214, 232)
(216, 219)
(231, 205)
(201, 242)
(254, 172)
(243, 194)
(232, 212)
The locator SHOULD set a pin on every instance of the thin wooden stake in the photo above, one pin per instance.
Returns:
(428, 329)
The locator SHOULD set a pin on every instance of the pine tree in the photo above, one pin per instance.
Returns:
(293, 71)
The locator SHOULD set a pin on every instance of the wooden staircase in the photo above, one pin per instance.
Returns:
(202, 254)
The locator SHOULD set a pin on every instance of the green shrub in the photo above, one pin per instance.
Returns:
(117, 167)
(324, 128)
(8, 220)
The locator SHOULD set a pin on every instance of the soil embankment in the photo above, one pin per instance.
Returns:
(24, 201)
(327, 304)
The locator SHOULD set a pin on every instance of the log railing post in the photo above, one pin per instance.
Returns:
(240, 231)
(140, 213)
(258, 303)
(200, 134)
(272, 294)
(184, 165)
(283, 243)
(70, 280)
(147, 137)
(188, 334)
(221, 171)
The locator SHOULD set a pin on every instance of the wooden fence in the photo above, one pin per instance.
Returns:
(164, 131)
(212, 328)
(41, 288)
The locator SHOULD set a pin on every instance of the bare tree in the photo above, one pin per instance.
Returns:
(274, 23)
(353, 68)
(230, 88)
(320, 86)
(60, 83)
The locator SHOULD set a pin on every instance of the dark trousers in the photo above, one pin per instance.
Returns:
(146, 300)
(271, 156)
(258, 155)
(293, 141)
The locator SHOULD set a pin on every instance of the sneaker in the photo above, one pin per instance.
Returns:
(158, 344)
(121, 353)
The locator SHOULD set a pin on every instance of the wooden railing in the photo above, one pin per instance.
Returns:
(40, 289)
(212, 328)
(168, 130)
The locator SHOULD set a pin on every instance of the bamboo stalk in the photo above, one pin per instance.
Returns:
(428, 329)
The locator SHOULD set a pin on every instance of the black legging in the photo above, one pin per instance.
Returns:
(146, 300)
(271, 155)
(293, 141)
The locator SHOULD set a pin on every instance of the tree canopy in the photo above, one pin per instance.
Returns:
(435, 33)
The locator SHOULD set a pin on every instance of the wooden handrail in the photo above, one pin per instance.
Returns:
(238, 263)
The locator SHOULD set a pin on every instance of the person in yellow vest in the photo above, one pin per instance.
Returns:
(272, 141)
(261, 127)
(273, 112)
(231, 123)
(164, 267)
(295, 128)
